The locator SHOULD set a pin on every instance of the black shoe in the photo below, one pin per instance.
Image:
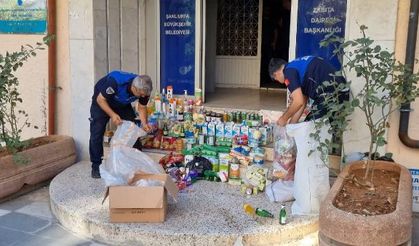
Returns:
(95, 174)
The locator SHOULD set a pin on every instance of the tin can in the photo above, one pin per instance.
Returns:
(255, 190)
(208, 117)
(249, 191)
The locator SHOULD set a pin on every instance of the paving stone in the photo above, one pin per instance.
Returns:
(37, 209)
(42, 241)
(4, 212)
(15, 204)
(57, 232)
(9, 237)
(23, 222)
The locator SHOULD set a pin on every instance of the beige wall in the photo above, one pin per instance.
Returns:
(406, 156)
(33, 77)
(380, 17)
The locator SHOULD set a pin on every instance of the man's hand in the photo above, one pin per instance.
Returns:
(146, 127)
(281, 121)
(116, 119)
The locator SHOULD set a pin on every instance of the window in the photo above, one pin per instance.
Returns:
(237, 27)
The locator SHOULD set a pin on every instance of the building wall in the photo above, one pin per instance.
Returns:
(82, 71)
(64, 94)
(33, 78)
(406, 156)
(380, 17)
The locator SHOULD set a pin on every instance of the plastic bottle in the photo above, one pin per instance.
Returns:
(165, 130)
(164, 102)
(282, 215)
(157, 102)
(258, 211)
(185, 98)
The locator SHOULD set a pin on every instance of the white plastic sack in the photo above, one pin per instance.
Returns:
(127, 134)
(311, 179)
(148, 183)
(280, 191)
(123, 161)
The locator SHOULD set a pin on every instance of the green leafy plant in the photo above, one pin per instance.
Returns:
(13, 119)
(387, 83)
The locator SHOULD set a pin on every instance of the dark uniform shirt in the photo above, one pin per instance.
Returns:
(308, 73)
(115, 87)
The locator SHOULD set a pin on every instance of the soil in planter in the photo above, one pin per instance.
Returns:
(359, 199)
(32, 144)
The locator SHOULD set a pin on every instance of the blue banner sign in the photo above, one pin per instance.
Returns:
(23, 16)
(177, 45)
(317, 18)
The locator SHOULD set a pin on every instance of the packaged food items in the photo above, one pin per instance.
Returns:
(168, 143)
(256, 176)
(284, 155)
(225, 159)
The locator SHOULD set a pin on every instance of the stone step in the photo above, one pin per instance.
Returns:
(207, 213)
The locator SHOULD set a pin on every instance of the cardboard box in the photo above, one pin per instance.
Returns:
(141, 204)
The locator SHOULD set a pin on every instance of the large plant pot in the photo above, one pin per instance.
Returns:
(45, 161)
(338, 227)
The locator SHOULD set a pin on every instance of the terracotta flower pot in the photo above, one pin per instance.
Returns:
(45, 161)
(338, 227)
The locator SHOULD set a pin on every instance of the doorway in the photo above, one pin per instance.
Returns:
(233, 51)
(276, 16)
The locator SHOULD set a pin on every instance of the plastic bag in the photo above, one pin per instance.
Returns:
(148, 182)
(200, 165)
(311, 180)
(127, 134)
(280, 191)
(284, 154)
(123, 161)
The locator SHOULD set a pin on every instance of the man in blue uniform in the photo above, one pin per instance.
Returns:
(112, 98)
(302, 77)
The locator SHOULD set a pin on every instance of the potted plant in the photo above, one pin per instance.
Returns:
(370, 203)
(25, 161)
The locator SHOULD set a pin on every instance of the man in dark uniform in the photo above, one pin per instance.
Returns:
(303, 76)
(112, 98)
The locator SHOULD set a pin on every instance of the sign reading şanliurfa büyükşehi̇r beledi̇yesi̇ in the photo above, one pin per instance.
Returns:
(23, 16)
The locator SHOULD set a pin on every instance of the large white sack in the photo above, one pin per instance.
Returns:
(123, 160)
(311, 179)
(280, 191)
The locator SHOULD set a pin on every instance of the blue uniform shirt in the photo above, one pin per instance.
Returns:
(308, 73)
(115, 87)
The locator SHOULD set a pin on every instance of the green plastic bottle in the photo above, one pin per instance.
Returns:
(258, 211)
(282, 215)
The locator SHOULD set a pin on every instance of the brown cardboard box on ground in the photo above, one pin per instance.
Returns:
(141, 204)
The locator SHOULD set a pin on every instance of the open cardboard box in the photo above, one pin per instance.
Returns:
(141, 204)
